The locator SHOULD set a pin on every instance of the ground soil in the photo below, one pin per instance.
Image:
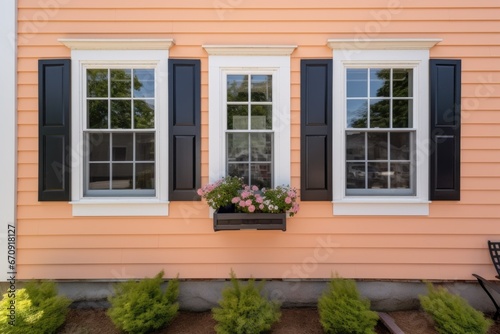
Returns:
(293, 321)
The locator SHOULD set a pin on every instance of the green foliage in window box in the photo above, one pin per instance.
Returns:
(243, 309)
(452, 314)
(142, 307)
(38, 309)
(343, 311)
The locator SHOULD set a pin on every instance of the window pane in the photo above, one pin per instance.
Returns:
(400, 146)
(144, 83)
(357, 113)
(355, 146)
(378, 175)
(97, 83)
(377, 146)
(357, 82)
(355, 175)
(262, 117)
(145, 176)
(144, 114)
(400, 175)
(123, 146)
(237, 117)
(97, 114)
(240, 170)
(402, 113)
(402, 82)
(98, 144)
(122, 176)
(380, 82)
(262, 88)
(261, 175)
(121, 112)
(237, 88)
(379, 113)
(261, 144)
(120, 83)
(237, 147)
(99, 176)
(145, 147)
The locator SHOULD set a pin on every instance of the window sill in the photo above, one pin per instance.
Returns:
(381, 207)
(115, 207)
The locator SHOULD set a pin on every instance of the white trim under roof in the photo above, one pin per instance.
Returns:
(382, 43)
(117, 44)
(249, 50)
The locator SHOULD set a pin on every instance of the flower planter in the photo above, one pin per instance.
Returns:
(224, 221)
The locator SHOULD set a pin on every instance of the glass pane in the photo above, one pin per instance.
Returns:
(355, 146)
(97, 114)
(98, 176)
(355, 175)
(122, 176)
(144, 146)
(97, 83)
(237, 88)
(378, 175)
(400, 146)
(240, 170)
(98, 144)
(400, 175)
(261, 175)
(237, 117)
(262, 144)
(145, 176)
(262, 88)
(357, 113)
(262, 117)
(120, 83)
(357, 82)
(121, 112)
(237, 147)
(377, 146)
(402, 113)
(380, 82)
(402, 82)
(123, 146)
(379, 113)
(144, 114)
(144, 83)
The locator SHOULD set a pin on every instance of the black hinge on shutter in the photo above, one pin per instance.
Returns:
(184, 129)
(445, 94)
(54, 110)
(316, 129)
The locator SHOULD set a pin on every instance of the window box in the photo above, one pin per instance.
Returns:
(227, 221)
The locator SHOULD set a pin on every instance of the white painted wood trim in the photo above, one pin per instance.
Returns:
(382, 43)
(117, 44)
(119, 208)
(8, 127)
(249, 50)
(381, 209)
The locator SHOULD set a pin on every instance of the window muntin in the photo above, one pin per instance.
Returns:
(249, 127)
(119, 132)
(379, 132)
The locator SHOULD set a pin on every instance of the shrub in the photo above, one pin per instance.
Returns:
(141, 307)
(38, 309)
(243, 309)
(452, 314)
(343, 311)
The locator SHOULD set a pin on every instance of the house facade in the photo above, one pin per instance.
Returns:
(383, 114)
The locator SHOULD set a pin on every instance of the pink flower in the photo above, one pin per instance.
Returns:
(248, 202)
(200, 192)
(235, 200)
(245, 194)
(251, 208)
(255, 188)
(288, 200)
(242, 204)
(261, 206)
(259, 199)
(291, 193)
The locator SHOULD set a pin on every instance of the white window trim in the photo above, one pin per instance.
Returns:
(222, 59)
(134, 55)
(414, 53)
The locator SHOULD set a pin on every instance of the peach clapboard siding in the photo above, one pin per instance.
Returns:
(449, 244)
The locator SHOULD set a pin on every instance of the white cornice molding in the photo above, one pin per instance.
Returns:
(117, 44)
(249, 50)
(382, 43)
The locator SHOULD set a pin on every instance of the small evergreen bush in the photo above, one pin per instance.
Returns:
(142, 307)
(452, 314)
(243, 309)
(38, 309)
(343, 311)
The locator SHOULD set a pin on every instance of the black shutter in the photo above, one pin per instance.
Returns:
(54, 101)
(445, 91)
(184, 129)
(316, 129)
